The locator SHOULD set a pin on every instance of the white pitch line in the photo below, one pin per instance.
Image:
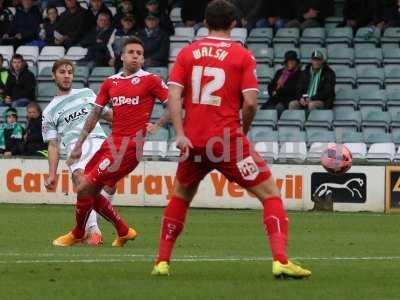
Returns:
(148, 258)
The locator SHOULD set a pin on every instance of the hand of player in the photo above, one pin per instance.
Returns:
(152, 128)
(183, 143)
(75, 155)
(50, 183)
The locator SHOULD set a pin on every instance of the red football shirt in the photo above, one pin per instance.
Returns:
(132, 99)
(214, 73)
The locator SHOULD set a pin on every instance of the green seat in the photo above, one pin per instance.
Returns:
(81, 74)
(314, 35)
(95, 86)
(368, 55)
(291, 136)
(392, 74)
(340, 55)
(393, 98)
(340, 35)
(319, 119)
(351, 137)
(266, 117)
(99, 74)
(263, 134)
(260, 35)
(396, 138)
(391, 36)
(345, 74)
(375, 137)
(306, 51)
(45, 74)
(287, 36)
(46, 91)
(376, 121)
(364, 35)
(346, 97)
(158, 110)
(371, 98)
(320, 137)
(280, 50)
(265, 74)
(347, 119)
(370, 75)
(78, 85)
(34, 70)
(292, 119)
(161, 135)
(160, 71)
(391, 55)
(262, 53)
(21, 111)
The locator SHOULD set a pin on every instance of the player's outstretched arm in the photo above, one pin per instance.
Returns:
(249, 109)
(53, 160)
(164, 119)
(90, 124)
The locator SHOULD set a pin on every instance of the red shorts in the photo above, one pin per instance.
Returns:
(115, 159)
(238, 163)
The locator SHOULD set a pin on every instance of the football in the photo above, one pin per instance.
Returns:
(336, 159)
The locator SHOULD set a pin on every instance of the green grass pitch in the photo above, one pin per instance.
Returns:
(222, 254)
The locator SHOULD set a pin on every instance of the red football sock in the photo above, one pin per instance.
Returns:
(107, 211)
(83, 207)
(172, 225)
(276, 227)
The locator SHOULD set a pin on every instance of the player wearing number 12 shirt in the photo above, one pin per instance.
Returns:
(216, 78)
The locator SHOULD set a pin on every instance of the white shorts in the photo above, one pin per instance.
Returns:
(89, 148)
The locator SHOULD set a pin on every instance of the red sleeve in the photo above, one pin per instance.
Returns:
(159, 89)
(103, 96)
(177, 75)
(249, 75)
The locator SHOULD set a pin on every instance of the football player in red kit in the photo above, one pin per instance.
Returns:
(131, 94)
(216, 78)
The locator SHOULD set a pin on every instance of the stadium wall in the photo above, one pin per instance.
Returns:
(361, 189)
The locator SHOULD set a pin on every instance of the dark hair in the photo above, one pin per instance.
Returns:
(220, 14)
(17, 57)
(34, 105)
(1, 57)
(132, 40)
(60, 62)
(51, 7)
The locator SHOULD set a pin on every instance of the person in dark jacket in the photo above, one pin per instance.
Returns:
(33, 140)
(6, 18)
(95, 8)
(71, 26)
(97, 40)
(21, 86)
(316, 86)
(11, 134)
(276, 14)
(126, 9)
(153, 6)
(386, 14)
(357, 13)
(4, 77)
(312, 13)
(49, 25)
(192, 12)
(25, 26)
(156, 43)
(282, 88)
(248, 12)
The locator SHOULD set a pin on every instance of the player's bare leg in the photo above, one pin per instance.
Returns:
(172, 225)
(275, 222)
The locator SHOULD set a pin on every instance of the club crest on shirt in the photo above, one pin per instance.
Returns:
(135, 80)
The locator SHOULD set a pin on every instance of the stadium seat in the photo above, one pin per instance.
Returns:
(81, 74)
(95, 86)
(393, 98)
(175, 15)
(315, 151)
(30, 53)
(263, 94)
(174, 49)
(173, 151)
(261, 36)
(263, 134)
(287, 36)
(370, 75)
(346, 120)
(44, 64)
(340, 55)
(46, 91)
(351, 137)
(280, 50)
(306, 51)
(239, 35)
(291, 136)
(161, 135)
(371, 98)
(381, 152)
(34, 70)
(358, 149)
(293, 151)
(392, 74)
(268, 150)
(160, 71)
(346, 97)
(391, 55)
(313, 36)
(319, 119)
(99, 74)
(158, 110)
(155, 149)
(375, 137)
(76, 53)
(321, 137)
(266, 118)
(340, 35)
(183, 34)
(262, 53)
(391, 35)
(376, 121)
(368, 55)
(7, 52)
(367, 35)
(344, 74)
(45, 75)
(395, 123)
(51, 53)
(292, 119)
(265, 74)
(202, 32)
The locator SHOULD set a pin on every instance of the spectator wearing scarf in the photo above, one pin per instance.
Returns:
(316, 86)
(11, 134)
(282, 88)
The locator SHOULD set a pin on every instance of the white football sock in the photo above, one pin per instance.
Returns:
(91, 224)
